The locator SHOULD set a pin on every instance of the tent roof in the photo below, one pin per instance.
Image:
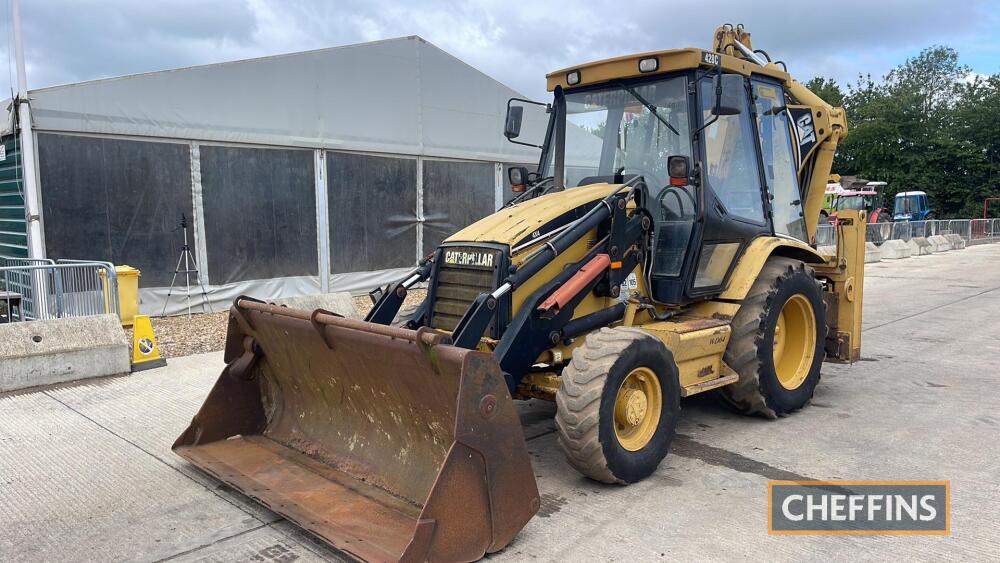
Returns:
(401, 95)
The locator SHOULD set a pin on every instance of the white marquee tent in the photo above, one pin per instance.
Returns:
(326, 170)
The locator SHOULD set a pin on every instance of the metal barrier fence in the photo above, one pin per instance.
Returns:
(43, 289)
(18, 282)
(972, 230)
(984, 230)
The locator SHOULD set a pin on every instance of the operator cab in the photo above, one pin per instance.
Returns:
(855, 200)
(716, 151)
(911, 206)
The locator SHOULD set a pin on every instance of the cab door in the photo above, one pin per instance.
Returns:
(731, 208)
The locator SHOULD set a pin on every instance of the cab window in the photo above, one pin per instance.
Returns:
(628, 127)
(731, 158)
(774, 129)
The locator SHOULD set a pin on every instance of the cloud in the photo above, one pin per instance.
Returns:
(515, 42)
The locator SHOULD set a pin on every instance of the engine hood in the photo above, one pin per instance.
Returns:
(520, 223)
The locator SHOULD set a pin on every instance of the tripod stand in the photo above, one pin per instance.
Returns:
(190, 267)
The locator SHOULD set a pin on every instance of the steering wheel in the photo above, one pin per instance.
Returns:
(675, 191)
(646, 175)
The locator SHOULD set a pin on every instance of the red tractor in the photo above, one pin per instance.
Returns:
(869, 199)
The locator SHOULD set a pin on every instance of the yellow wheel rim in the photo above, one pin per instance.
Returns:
(638, 406)
(794, 342)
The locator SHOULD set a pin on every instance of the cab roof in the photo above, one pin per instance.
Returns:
(904, 194)
(668, 61)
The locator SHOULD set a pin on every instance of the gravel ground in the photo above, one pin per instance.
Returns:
(363, 303)
(181, 336)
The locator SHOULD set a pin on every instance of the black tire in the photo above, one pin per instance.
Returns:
(750, 350)
(405, 315)
(586, 404)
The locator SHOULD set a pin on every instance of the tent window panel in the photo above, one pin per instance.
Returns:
(456, 194)
(116, 200)
(260, 213)
(373, 212)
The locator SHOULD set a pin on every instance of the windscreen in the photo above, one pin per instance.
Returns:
(906, 204)
(625, 127)
(856, 202)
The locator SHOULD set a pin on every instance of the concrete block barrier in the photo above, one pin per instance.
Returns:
(59, 350)
(956, 240)
(895, 249)
(872, 253)
(939, 243)
(923, 247)
(340, 303)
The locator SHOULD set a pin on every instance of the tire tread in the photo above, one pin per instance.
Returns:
(579, 400)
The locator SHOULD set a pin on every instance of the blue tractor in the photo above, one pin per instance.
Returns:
(912, 206)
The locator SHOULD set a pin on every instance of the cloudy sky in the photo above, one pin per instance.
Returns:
(514, 42)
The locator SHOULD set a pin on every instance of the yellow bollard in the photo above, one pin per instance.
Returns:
(145, 352)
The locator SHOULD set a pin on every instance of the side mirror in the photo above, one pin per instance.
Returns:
(512, 125)
(679, 169)
(730, 94)
(518, 176)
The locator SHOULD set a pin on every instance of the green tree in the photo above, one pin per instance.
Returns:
(924, 126)
(828, 89)
(975, 127)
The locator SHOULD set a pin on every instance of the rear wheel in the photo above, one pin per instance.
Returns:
(777, 346)
(618, 405)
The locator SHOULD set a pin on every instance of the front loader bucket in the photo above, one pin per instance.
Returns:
(389, 444)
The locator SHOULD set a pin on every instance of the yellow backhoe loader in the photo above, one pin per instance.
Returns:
(661, 249)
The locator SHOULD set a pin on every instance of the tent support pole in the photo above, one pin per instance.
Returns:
(32, 207)
(322, 220)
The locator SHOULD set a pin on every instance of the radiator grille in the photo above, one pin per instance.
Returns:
(457, 287)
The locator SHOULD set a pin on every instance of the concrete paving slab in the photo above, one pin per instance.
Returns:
(913, 408)
(71, 491)
(264, 544)
(151, 408)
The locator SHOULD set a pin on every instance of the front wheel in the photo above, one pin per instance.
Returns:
(618, 405)
(777, 345)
